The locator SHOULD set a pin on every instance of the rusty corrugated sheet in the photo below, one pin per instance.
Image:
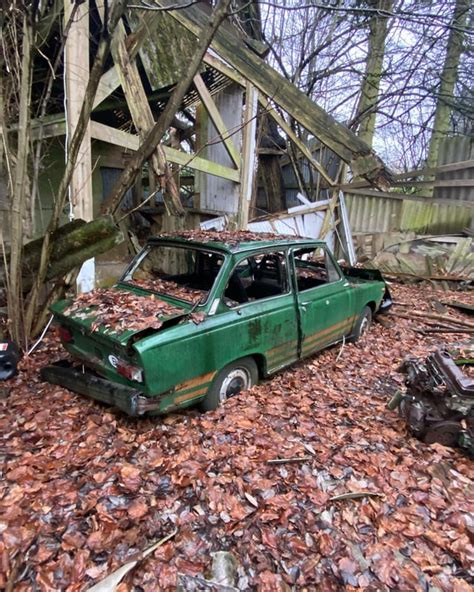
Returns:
(381, 215)
(457, 149)
(373, 214)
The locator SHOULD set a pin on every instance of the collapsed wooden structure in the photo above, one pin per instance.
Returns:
(216, 139)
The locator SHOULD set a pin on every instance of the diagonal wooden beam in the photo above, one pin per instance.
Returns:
(296, 141)
(142, 116)
(216, 119)
(111, 80)
(219, 65)
(337, 137)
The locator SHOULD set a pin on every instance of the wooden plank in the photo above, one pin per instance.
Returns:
(142, 116)
(216, 119)
(105, 133)
(201, 164)
(76, 77)
(110, 79)
(76, 74)
(337, 137)
(108, 83)
(50, 130)
(444, 168)
(442, 183)
(249, 144)
(222, 67)
(298, 143)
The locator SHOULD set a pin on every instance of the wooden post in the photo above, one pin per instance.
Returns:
(248, 154)
(76, 76)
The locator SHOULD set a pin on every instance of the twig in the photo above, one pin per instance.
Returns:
(111, 581)
(281, 461)
(355, 495)
(436, 330)
(341, 350)
(151, 196)
(40, 338)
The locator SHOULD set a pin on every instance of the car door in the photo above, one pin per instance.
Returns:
(259, 307)
(324, 298)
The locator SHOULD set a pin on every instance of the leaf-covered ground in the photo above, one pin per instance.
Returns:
(84, 489)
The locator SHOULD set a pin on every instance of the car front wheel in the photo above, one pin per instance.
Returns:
(231, 380)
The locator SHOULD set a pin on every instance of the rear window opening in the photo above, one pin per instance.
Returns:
(180, 272)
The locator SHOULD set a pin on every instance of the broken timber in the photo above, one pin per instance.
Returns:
(73, 243)
(363, 161)
(142, 116)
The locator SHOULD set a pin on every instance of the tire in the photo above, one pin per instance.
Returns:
(362, 325)
(231, 380)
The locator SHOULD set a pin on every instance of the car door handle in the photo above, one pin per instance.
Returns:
(303, 305)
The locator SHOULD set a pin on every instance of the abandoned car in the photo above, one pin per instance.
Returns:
(201, 316)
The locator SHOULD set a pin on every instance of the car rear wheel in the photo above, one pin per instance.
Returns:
(363, 324)
(231, 380)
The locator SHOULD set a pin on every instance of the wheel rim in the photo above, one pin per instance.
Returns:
(236, 381)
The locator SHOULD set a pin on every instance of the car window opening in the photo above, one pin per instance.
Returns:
(260, 276)
(183, 273)
(314, 267)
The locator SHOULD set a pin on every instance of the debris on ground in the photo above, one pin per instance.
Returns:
(448, 258)
(85, 490)
(438, 402)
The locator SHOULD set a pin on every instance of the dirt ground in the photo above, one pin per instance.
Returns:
(84, 489)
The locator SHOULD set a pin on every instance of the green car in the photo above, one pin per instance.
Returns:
(200, 316)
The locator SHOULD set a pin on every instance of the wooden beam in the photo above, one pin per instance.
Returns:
(249, 145)
(105, 133)
(50, 130)
(76, 76)
(216, 119)
(76, 73)
(201, 164)
(337, 137)
(142, 116)
(402, 197)
(111, 79)
(223, 68)
(297, 142)
(443, 168)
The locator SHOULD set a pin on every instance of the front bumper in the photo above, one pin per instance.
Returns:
(127, 399)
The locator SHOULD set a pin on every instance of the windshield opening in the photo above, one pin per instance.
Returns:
(180, 272)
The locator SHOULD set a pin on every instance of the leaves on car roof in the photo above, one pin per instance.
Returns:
(227, 237)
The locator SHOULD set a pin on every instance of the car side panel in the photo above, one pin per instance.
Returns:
(191, 355)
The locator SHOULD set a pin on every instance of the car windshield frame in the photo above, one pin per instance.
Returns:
(127, 279)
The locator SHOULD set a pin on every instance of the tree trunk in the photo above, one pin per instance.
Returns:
(449, 73)
(19, 187)
(369, 94)
(72, 244)
(94, 79)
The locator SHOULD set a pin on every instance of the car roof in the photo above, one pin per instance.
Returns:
(233, 241)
